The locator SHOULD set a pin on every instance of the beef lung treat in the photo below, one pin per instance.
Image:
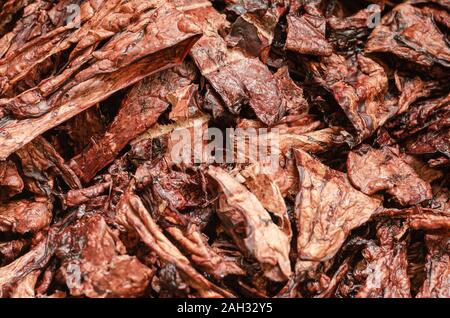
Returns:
(224, 148)
(327, 208)
(371, 170)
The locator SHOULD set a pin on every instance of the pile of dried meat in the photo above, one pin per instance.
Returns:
(116, 117)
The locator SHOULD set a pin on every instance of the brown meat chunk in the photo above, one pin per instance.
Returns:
(387, 264)
(260, 237)
(437, 268)
(94, 264)
(133, 215)
(25, 216)
(371, 170)
(10, 181)
(411, 34)
(306, 32)
(327, 208)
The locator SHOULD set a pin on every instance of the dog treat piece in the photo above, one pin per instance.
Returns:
(327, 208)
(224, 148)
(372, 170)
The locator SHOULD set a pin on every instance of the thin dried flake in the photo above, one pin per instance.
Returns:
(432, 141)
(292, 93)
(327, 208)
(427, 219)
(110, 73)
(371, 170)
(25, 216)
(411, 34)
(230, 72)
(211, 260)
(437, 268)
(260, 237)
(259, 182)
(36, 259)
(306, 32)
(80, 196)
(94, 264)
(41, 163)
(359, 85)
(254, 30)
(387, 264)
(413, 89)
(11, 250)
(132, 215)
(11, 182)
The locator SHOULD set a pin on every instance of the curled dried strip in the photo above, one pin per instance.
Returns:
(11, 182)
(306, 32)
(209, 259)
(260, 237)
(80, 196)
(25, 216)
(359, 85)
(411, 34)
(437, 268)
(36, 259)
(387, 264)
(132, 214)
(11, 250)
(327, 208)
(371, 170)
(94, 263)
(254, 30)
(41, 163)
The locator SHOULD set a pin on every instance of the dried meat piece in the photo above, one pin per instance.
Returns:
(327, 208)
(433, 141)
(437, 281)
(387, 264)
(80, 196)
(359, 85)
(41, 163)
(260, 237)
(211, 260)
(132, 215)
(145, 57)
(411, 34)
(11, 250)
(36, 259)
(254, 30)
(371, 170)
(306, 31)
(25, 216)
(238, 79)
(10, 181)
(94, 264)
(296, 104)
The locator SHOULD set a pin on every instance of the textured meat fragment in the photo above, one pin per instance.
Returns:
(211, 260)
(255, 233)
(146, 54)
(238, 79)
(26, 265)
(371, 170)
(254, 30)
(411, 34)
(24, 216)
(132, 215)
(327, 208)
(432, 141)
(359, 85)
(387, 264)
(437, 268)
(10, 181)
(293, 94)
(80, 196)
(41, 163)
(94, 264)
(306, 32)
(11, 250)
(140, 109)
